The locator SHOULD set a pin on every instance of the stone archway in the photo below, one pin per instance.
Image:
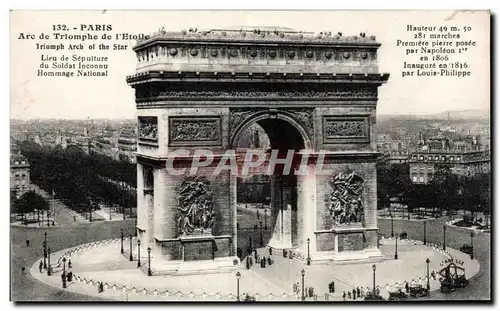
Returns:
(285, 133)
(199, 90)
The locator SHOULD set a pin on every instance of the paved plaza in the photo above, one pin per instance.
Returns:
(104, 263)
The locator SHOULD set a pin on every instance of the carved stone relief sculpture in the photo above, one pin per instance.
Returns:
(195, 209)
(344, 128)
(194, 129)
(346, 199)
(148, 128)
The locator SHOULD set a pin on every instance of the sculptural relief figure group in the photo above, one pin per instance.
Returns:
(195, 206)
(148, 128)
(194, 130)
(346, 205)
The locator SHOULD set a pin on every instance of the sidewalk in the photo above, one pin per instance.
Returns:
(63, 214)
(105, 211)
(103, 262)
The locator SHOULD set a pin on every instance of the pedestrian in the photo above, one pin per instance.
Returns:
(269, 261)
(358, 291)
(407, 287)
(270, 251)
(69, 264)
(284, 253)
(343, 295)
(348, 294)
(354, 294)
(362, 291)
(27, 243)
(40, 266)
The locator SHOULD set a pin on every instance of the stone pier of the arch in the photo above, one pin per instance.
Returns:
(200, 90)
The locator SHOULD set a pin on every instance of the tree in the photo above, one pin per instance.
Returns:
(13, 201)
(393, 181)
(31, 201)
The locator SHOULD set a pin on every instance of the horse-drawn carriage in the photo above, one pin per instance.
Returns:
(452, 277)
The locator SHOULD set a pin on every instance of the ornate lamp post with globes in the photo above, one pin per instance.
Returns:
(427, 261)
(392, 225)
(308, 252)
(138, 253)
(149, 261)
(303, 273)
(238, 276)
(374, 268)
(444, 237)
(121, 236)
(130, 258)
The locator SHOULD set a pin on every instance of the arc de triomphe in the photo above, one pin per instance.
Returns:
(202, 89)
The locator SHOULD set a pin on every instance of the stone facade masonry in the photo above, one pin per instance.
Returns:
(308, 93)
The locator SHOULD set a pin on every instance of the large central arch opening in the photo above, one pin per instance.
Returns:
(267, 203)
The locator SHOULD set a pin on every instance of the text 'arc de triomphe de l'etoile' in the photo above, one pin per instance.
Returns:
(310, 92)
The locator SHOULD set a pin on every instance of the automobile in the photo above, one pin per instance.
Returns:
(373, 297)
(466, 248)
(417, 291)
(398, 295)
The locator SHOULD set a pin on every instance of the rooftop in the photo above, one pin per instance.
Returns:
(257, 34)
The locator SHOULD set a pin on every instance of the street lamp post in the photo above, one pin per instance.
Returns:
(471, 245)
(90, 212)
(149, 261)
(121, 236)
(425, 232)
(427, 261)
(396, 250)
(138, 253)
(130, 258)
(303, 273)
(265, 218)
(238, 276)
(444, 237)
(63, 277)
(392, 225)
(64, 265)
(261, 236)
(308, 252)
(48, 263)
(374, 267)
(45, 250)
(250, 246)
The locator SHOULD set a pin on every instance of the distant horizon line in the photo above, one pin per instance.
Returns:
(133, 118)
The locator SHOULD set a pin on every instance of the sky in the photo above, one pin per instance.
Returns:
(110, 97)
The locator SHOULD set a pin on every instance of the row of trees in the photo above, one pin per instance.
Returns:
(445, 191)
(79, 179)
(29, 202)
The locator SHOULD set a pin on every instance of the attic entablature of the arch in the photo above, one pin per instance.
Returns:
(253, 52)
(257, 77)
(256, 35)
